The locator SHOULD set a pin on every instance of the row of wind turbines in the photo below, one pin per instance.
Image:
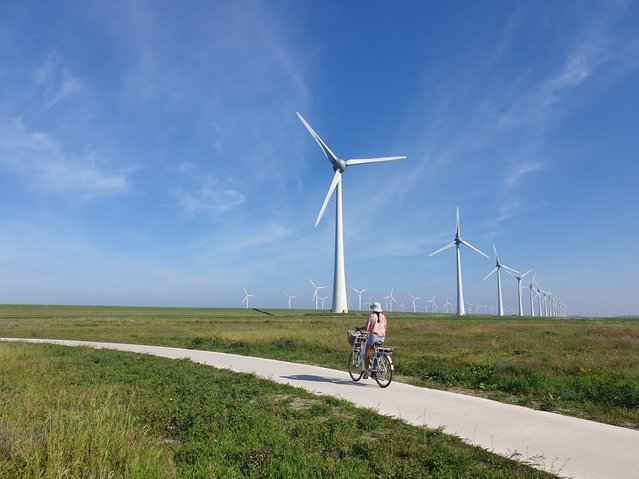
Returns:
(340, 301)
(547, 306)
(552, 305)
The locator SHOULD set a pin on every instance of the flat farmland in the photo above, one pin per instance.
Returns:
(581, 367)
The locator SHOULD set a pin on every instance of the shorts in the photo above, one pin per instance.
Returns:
(372, 339)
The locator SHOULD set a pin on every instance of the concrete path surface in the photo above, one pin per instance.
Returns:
(565, 446)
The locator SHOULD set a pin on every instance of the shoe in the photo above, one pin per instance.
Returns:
(365, 376)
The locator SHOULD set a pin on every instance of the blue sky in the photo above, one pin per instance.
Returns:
(150, 153)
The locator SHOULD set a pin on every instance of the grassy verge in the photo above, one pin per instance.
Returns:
(586, 368)
(77, 412)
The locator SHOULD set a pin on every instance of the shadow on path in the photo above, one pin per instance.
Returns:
(321, 379)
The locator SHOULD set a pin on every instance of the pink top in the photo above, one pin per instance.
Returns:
(377, 328)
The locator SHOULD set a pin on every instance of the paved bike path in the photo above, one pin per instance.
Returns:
(565, 446)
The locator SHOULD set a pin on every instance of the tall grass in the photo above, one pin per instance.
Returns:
(78, 412)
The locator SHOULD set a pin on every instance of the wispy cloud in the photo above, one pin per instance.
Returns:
(53, 82)
(210, 198)
(595, 45)
(520, 170)
(46, 165)
(237, 80)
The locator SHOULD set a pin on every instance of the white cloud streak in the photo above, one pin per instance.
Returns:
(45, 165)
(210, 199)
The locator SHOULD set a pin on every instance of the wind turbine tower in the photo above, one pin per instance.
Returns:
(498, 267)
(339, 167)
(456, 242)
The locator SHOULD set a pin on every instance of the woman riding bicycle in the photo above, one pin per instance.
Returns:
(376, 326)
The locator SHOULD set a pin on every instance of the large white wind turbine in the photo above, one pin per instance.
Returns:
(315, 295)
(339, 166)
(414, 298)
(246, 298)
(456, 242)
(498, 267)
(518, 276)
(359, 296)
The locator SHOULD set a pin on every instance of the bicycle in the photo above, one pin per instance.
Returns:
(381, 366)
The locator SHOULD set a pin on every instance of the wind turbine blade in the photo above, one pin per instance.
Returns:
(365, 289)
(457, 232)
(491, 272)
(514, 272)
(475, 249)
(511, 271)
(327, 151)
(336, 178)
(449, 245)
(529, 271)
(314, 286)
(362, 161)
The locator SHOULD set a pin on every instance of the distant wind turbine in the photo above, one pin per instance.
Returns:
(315, 295)
(433, 304)
(290, 300)
(414, 298)
(455, 243)
(518, 277)
(246, 298)
(322, 300)
(541, 311)
(339, 167)
(531, 286)
(446, 304)
(390, 299)
(498, 267)
(359, 295)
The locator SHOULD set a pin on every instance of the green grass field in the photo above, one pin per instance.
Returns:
(585, 368)
(79, 412)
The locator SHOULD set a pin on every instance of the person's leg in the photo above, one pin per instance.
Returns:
(369, 349)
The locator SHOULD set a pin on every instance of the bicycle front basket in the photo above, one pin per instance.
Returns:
(352, 335)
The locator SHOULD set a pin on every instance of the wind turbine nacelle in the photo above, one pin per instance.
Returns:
(339, 165)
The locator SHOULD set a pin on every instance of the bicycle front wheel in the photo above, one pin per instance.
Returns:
(383, 371)
(355, 368)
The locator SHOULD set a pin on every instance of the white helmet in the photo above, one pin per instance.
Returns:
(376, 307)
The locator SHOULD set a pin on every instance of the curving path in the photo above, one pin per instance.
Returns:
(565, 446)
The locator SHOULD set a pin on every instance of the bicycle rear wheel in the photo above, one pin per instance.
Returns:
(383, 371)
(355, 368)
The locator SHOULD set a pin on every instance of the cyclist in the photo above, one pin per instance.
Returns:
(376, 326)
